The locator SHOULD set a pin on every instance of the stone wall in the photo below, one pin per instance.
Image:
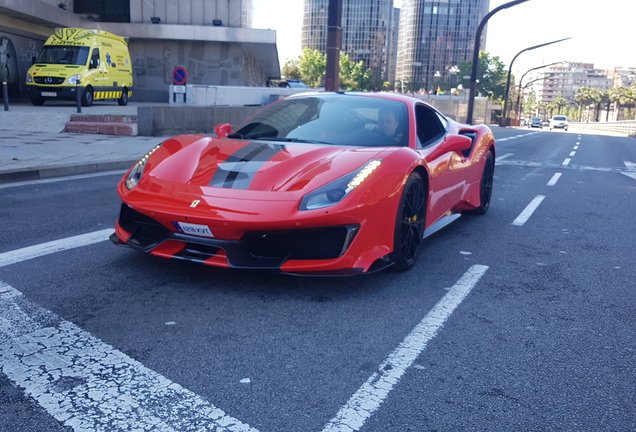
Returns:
(207, 63)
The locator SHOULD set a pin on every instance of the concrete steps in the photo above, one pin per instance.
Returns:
(123, 125)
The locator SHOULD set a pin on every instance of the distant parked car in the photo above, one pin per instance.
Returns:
(292, 84)
(536, 122)
(559, 121)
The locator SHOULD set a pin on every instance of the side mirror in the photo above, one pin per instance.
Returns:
(223, 130)
(450, 143)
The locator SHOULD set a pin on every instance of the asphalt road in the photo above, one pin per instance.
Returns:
(519, 320)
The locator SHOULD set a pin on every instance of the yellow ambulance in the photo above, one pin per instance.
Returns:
(95, 62)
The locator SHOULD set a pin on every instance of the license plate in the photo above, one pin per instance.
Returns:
(49, 94)
(193, 229)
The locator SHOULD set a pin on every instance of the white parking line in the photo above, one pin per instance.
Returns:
(555, 178)
(373, 392)
(90, 386)
(527, 212)
(30, 252)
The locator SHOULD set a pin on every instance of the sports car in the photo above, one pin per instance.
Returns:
(326, 183)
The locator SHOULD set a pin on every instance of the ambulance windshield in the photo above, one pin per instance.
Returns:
(57, 54)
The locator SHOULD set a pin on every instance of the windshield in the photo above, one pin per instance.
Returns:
(59, 54)
(339, 119)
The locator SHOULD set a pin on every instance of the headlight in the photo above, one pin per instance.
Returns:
(29, 78)
(335, 191)
(73, 79)
(134, 176)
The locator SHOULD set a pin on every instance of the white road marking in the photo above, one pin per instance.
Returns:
(59, 179)
(572, 153)
(90, 386)
(631, 169)
(576, 147)
(368, 398)
(555, 178)
(30, 252)
(566, 161)
(630, 174)
(502, 157)
(527, 212)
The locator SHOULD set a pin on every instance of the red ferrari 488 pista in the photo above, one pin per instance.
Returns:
(315, 184)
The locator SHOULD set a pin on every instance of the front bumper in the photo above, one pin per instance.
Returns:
(317, 250)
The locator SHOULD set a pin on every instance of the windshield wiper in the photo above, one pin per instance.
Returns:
(295, 140)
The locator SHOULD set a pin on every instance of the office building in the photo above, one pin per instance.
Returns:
(435, 37)
(366, 32)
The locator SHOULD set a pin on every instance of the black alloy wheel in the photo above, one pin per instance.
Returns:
(409, 225)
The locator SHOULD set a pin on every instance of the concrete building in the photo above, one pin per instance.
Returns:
(366, 32)
(623, 76)
(565, 79)
(211, 39)
(435, 37)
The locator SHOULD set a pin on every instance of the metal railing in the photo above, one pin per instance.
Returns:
(627, 127)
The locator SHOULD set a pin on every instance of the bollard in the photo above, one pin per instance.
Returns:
(5, 94)
(78, 97)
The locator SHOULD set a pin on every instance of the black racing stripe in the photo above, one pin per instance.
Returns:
(238, 170)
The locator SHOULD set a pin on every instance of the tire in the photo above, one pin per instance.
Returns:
(123, 100)
(485, 187)
(37, 101)
(87, 96)
(409, 224)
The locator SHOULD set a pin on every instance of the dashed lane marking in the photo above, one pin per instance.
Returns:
(528, 211)
(555, 178)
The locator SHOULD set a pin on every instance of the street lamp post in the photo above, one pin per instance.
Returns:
(521, 80)
(473, 75)
(503, 113)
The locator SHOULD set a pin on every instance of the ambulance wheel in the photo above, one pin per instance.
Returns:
(37, 101)
(87, 97)
(123, 100)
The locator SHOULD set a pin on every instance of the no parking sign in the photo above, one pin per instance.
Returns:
(179, 76)
(179, 79)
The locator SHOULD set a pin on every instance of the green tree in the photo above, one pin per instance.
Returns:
(354, 76)
(491, 75)
(312, 65)
(291, 70)
(623, 96)
(584, 97)
(560, 103)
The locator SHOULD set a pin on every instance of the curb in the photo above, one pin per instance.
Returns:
(62, 171)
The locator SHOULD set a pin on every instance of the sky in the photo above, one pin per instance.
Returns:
(602, 32)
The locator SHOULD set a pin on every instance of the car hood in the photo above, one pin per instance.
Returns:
(226, 166)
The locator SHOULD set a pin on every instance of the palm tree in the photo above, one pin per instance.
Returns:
(623, 96)
(584, 97)
(560, 103)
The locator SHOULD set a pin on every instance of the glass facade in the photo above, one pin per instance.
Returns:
(436, 36)
(366, 31)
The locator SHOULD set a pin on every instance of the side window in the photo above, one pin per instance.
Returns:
(429, 125)
(94, 64)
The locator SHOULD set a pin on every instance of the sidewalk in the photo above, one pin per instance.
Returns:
(33, 146)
